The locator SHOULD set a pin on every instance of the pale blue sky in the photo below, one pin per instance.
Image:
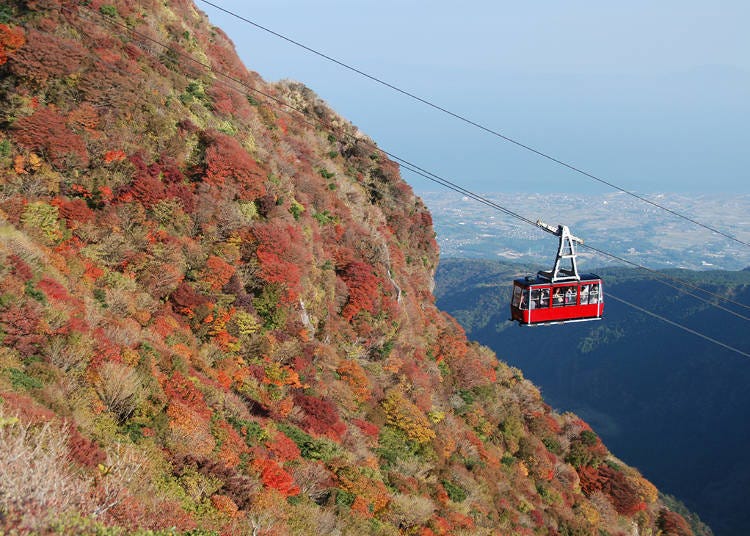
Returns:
(652, 96)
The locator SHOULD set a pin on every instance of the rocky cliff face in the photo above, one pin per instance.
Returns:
(216, 312)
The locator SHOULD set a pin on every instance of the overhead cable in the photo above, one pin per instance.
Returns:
(678, 325)
(476, 124)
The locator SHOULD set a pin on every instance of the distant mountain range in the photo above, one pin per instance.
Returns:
(665, 400)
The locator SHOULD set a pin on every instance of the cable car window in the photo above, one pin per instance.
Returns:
(535, 297)
(571, 293)
(564, 296)
(519, 298)
(558, 297)
(594, 295)
(544, 298)
(585, 294)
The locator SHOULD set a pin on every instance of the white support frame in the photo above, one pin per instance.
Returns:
(566, 251)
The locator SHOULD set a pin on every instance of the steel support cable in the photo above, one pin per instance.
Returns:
(664, 280)
(478, 125)
(317, 123)
(405, 163)
(678, 325)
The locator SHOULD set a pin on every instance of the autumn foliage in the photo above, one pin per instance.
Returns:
(46, 131)
(46, 55)
(362, 285)
(11, 39)
(227, 163)
(216, 313)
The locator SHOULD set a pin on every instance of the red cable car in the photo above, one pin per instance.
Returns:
(561, 295)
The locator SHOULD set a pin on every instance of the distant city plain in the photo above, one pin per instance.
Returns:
(616, 223)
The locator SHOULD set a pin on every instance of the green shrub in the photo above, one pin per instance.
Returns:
(513, 430)
(394, 445)
(20, 380)
(325, 217)
(455, 492)
(310, 447)
(4, 144)
(267, 307)
(41, 218)
(344, 498)
(296, 209)
(553, 445)
(108, 10)
(32, 292)
(589, 438)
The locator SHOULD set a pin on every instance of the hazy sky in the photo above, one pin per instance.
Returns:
(652, 96)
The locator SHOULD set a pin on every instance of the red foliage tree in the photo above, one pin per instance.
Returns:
(228, 102)
(275, 477)
(363, 288)
(85, 118)
(25, 407)
(283, 448)
(170, 170)
(184, 193)
(231, 444)
(74, 211)
(45, 131)
(590, 479)
(224, 59)
(321, 416)
(147, 187)
(13, 208)
(451, 344)
(22, 328)
(673, 524)
(179, 388)
(217, 272)
(187, 299)
(226, 160)
(147, 190)
(280, 254)
(20, 268)
(83, 450)
(115, 155)
(624, 495)
(45, 55)
(109, 86)
(367, 428)
(52, 289)
(11, 39)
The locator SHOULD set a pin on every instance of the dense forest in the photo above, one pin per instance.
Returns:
(665, 400)
(216, 313)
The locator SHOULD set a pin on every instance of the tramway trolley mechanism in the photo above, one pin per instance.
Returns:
(561, 295)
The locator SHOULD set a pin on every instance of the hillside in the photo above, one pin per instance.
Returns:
(216, 313)
(664, 400)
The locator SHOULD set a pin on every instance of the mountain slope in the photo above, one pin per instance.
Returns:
(663, 399)
(216, 314)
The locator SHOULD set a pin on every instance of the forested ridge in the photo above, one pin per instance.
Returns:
(216, 313)
(662, 398)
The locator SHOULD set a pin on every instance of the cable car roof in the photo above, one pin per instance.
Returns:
(538, 279)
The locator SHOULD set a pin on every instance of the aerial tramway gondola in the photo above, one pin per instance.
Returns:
(561, 295)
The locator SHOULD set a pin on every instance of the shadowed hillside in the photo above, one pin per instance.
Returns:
(216, 313)
(665, 400)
